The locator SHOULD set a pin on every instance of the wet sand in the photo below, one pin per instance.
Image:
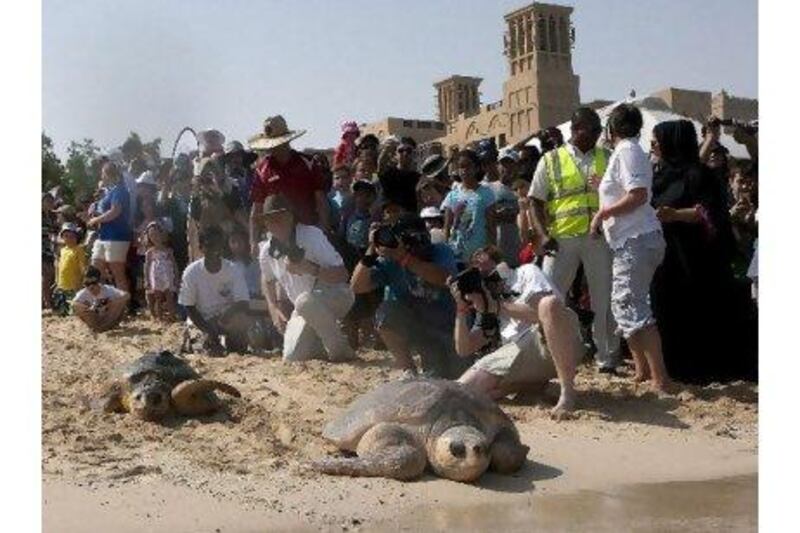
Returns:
(243, 470)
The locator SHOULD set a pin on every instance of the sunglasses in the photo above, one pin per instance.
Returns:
(404, 150)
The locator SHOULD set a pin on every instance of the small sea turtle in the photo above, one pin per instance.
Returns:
(402, 426)
(157, 384)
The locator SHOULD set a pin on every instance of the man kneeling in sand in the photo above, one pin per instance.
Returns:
(99, 306)
(538, 336)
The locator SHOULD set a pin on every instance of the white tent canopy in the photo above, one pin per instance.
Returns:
(655, 111)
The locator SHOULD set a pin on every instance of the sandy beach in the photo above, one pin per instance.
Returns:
(244, 469)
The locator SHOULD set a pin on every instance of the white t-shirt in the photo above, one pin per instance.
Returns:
(629, 168)
(107, 292)
(212, 293)
(529, 282)
(318, 250)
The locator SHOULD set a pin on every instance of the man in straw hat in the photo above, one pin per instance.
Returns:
(287, 172)
(301, 259)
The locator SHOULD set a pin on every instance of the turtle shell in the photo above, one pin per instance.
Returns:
(419, 403)
(165, 365)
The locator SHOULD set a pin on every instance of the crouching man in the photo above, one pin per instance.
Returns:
(416, 314)
(99, 306)
(216, 298)
(538, 337)
(313, 277)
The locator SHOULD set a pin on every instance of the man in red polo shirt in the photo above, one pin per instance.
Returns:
(289, 173)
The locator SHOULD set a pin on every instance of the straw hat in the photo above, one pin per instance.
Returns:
(275, 134)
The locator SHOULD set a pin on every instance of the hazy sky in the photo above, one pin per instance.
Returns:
(112, 66)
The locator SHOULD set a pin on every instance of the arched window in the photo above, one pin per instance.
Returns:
(551, 29)
(563, 33)
(541, 33)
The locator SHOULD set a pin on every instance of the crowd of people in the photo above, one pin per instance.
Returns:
(502, 269)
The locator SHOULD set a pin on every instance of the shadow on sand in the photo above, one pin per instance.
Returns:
(520, 481)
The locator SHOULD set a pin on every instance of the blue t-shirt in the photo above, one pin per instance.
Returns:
(118, 229)
(356, 229)
(469, 229)
(404, 286)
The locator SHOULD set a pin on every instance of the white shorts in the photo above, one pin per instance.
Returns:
(110, 251)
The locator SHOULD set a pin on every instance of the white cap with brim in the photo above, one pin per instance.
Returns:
(147, 177)
(430, 212)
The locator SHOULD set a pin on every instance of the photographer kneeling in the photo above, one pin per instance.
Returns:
(536, 336)
(417, 312)
(313, 276)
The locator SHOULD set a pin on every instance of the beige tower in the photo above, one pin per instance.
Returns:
(542, 89)
(457, 95)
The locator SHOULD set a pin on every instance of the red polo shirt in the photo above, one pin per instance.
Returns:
(297, 180)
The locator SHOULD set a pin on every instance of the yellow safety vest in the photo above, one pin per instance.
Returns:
(571, 201)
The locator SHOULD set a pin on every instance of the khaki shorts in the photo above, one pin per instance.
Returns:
(110, 251)
(525, 360)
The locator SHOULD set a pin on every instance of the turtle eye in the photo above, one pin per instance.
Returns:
(457, 449)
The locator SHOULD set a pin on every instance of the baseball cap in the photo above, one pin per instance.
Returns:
(430, 212)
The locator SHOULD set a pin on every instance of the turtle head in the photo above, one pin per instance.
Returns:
(460, 453)
(149, 399)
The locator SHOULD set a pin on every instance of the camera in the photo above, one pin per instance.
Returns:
(292, 252)
(411, 231)
(469, 281)
(386, 237)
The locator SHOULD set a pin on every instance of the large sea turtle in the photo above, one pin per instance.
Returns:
(157, 384)
(402, 426)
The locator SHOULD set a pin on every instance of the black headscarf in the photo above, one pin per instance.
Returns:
(678, 142)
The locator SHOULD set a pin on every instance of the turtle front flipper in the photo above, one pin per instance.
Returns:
(508, 453)
(386, 450)
(112, 399)
(195, 397)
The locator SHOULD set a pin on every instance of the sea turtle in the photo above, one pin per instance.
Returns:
(157, 384)
(402, 426)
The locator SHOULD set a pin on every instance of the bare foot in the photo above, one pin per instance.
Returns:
(564, 408)
(665, 388)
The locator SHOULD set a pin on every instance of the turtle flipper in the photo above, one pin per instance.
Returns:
(403, 463)
(111, 401)
(194, 397)
(386, 450)
(508, 453)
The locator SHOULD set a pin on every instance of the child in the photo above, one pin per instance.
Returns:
(49, 229)
(355, 225)
(340, 197)
(239, 243)
(160, 274)
(99, 306)
(355, 230)
(71, 264)
(434, 221)
(346, 151)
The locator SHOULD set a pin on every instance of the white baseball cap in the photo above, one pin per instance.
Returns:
(148, 177)
(430, 212)
(508, 153)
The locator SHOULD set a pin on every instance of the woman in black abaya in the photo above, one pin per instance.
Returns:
(707, 320)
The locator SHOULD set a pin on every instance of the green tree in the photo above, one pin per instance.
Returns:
(52, 169)
(82, 174)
